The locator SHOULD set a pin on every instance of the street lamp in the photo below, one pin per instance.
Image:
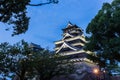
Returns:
(96, 72)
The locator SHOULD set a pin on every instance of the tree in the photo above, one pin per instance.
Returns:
(49, 66)
(24, 62)
(104, 39)
(13, 12)
(15, 59)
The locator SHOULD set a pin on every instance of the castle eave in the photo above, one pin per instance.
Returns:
(72, 52)
(71, 39)
(75, 44)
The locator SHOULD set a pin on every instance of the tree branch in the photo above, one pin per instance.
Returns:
(40, 4)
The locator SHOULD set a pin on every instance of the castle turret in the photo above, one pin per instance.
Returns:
(72, 42)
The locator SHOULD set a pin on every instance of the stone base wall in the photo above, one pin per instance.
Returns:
(82, 70)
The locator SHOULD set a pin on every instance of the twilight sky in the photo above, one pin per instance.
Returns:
(47, 21)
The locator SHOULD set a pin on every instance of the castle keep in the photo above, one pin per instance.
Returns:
(72, 43)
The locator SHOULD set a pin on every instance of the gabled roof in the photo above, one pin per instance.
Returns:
(67, 34)
(35, 45)
(65, 44)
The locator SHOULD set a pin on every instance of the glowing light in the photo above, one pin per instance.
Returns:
(104, 71)
(96, 71)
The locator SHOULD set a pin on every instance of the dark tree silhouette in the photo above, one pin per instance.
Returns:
(13, 12)
(25, 62)
(104, 30)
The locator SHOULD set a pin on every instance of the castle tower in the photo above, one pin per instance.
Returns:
(72, 43)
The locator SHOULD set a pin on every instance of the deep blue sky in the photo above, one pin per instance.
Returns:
(47, 21)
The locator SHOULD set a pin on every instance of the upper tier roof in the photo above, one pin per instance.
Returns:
(70, 26)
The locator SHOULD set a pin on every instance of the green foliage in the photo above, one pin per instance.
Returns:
(23, 61)
(105, 34)
(13, 12)
(49, 66)
(14, 58)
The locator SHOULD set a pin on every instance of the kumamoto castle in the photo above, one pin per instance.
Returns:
(72, 43)
(72, 46)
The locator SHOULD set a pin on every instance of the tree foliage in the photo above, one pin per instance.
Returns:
(47, 68)
(13, 12)
(15, 59)
(25, 62)
(104, 30)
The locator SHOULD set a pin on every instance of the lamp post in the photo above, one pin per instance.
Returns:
(97, 73)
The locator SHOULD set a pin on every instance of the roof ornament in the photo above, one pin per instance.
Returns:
(69, 24)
